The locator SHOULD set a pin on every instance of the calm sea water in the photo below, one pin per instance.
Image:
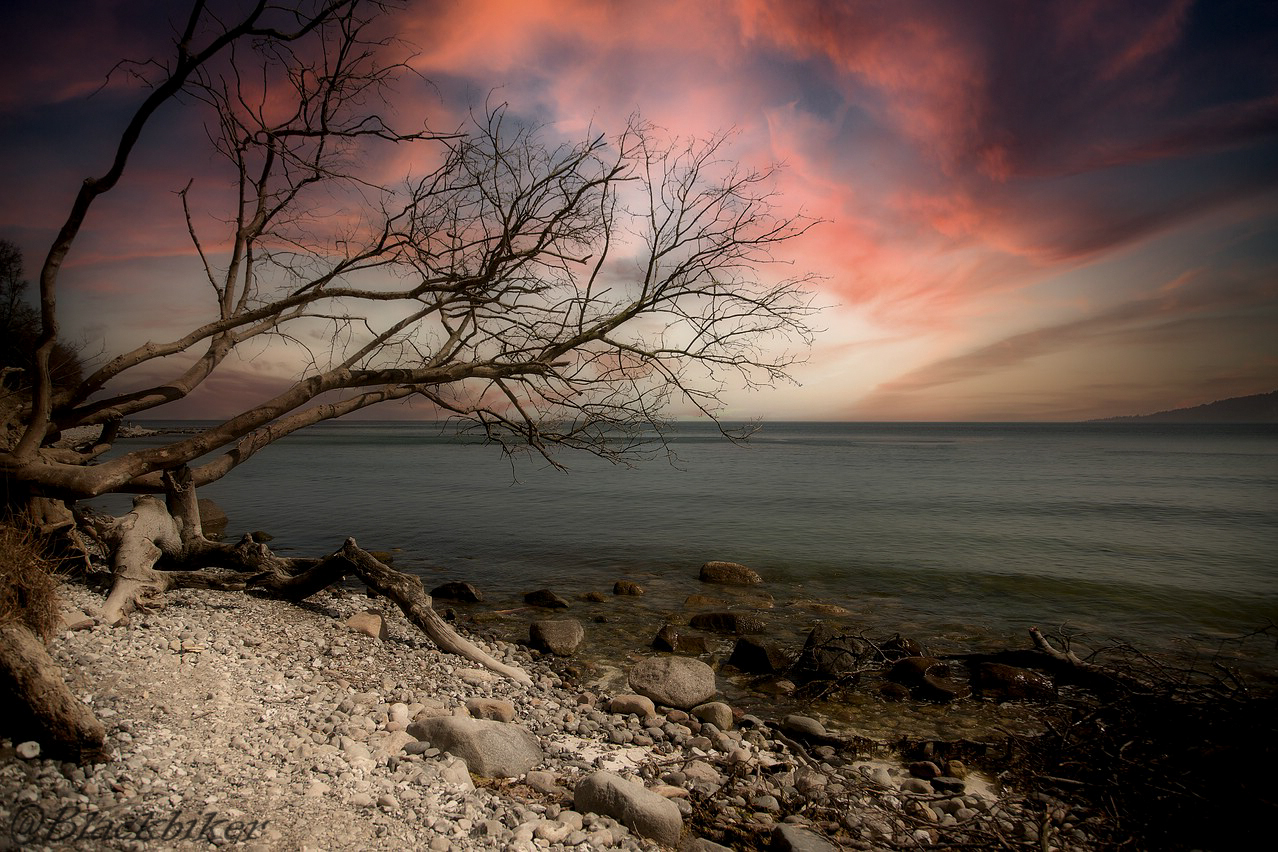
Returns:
(960, 533)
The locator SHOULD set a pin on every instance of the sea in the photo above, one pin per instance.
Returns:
(1157, 536)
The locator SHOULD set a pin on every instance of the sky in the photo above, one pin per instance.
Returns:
(1031, 210)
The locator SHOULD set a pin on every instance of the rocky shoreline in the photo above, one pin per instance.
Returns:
(242, 721)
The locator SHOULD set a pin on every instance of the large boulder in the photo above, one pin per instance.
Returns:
(630, 803)
(458, 591)
(735, 623)
(561, 637)
(1009, 683)
(490, 749)
(681, 682)
(729, 573)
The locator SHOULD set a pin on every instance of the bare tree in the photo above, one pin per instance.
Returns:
(549, 294)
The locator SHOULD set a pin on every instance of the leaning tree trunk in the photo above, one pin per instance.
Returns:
(42, 705)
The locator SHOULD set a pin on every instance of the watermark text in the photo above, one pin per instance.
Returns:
(31, 822)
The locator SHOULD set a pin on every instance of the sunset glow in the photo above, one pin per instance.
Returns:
(1047, 211)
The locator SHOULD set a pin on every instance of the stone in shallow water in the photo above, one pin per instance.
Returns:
(758, 656)
(728, 622)
(1009, 683)
(729, 573)
(545, 598)
(627, 587)
(458, 591)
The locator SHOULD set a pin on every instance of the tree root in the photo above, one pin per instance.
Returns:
(151, 534)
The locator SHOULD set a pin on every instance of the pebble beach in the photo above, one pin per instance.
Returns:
(238, 721)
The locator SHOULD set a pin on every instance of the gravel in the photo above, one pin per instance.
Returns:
(238, 721)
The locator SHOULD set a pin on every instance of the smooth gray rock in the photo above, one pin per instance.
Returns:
(631, 804)
(490, 749)
(560, 637)
(793, 838)
(804, 727)
(680, 682)
(716, 713)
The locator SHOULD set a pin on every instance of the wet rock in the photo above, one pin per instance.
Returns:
(1009, 683)
(490, 749)
(671, 638)
(594, 597)
(627, 587)
(369, 623)
(900, 646)
(894, 692)
(737, 623)
(545, 598)
(925, 769)
(631, 804)
(680, 682)
(822, 608)
(212, 517)
(667, 638)
(703, 602)
(458, 591)
(928, 679)
(827, 655)
(729, 573)
(560, 637)
(758, 656)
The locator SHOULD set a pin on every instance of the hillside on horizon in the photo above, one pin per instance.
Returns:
(1257, 408)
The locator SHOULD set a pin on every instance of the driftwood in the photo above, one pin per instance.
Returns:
(155, 536)
(44, 706)
(407, 592)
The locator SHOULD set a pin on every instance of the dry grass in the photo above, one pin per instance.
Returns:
(28, 587)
